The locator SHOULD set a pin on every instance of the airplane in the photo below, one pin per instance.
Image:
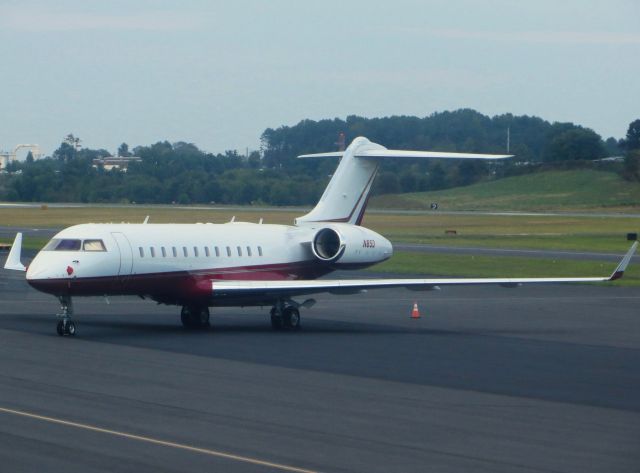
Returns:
(203, 265)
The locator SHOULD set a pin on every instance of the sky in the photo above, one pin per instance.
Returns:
(218, 73)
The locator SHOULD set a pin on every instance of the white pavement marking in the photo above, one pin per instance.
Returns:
(164, 443)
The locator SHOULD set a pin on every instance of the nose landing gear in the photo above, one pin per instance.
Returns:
(65, 325)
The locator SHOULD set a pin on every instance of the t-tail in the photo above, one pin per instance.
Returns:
(345, 198)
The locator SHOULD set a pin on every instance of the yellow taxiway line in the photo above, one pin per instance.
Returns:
(164, 443)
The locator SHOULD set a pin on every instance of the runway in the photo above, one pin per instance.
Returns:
(497, 380)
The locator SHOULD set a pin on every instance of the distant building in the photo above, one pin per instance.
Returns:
(120, 163)
(7, 156)
(4, 160)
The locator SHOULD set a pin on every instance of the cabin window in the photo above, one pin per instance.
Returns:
(141, 252)
(206, 251)
(260, 251)
(217, 251)
(239, 251)
(174, 251)
(93, 245)
(65, 244)
(228, 251)
(184, 251)
(248, 251)
(164, 252)
(152, 250)
(195, 251)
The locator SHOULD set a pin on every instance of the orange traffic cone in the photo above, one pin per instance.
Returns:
(415, 313)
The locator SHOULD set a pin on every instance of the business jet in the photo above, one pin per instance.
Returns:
(198, 266)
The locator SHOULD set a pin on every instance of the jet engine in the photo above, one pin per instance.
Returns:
(350, 245)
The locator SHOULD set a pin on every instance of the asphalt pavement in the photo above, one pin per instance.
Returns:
(539, 378)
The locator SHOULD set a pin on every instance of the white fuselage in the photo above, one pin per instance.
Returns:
(175, 263)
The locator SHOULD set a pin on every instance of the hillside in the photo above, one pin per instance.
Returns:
(551, 190)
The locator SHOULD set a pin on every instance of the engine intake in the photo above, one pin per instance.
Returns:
(328, 245)
(349, 246)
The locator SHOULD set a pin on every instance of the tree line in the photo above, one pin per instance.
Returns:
(182, 173)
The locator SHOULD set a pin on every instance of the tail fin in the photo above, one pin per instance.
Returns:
(345, 198)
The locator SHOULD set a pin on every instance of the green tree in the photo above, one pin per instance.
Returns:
(633, 136)
(575, 144)
(123, 150)
(631, 170)
(65, 152)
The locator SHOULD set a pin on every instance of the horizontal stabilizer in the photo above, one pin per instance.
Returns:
(394, 153)
(337, 154)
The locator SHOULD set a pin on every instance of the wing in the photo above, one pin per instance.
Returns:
(351, 286)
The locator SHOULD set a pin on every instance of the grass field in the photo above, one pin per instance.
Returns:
(583, 233)
(550, 190)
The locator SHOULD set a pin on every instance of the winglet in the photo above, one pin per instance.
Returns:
(13, 260)
(619, 271)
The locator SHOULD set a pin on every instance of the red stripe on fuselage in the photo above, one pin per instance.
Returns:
(178, 287)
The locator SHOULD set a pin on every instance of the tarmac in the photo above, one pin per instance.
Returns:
(534, 379)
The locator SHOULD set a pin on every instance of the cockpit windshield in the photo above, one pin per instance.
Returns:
(71, 244)
(93, 245)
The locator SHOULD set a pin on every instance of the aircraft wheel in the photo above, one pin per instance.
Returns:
(291, 318)
(71, 328)
(194, 317)
(202, 317)
(66, 327)
(276, 322)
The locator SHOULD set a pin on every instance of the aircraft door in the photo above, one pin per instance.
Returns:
(126, 257)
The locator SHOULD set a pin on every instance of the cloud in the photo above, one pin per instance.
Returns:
(38, 20)
(539, 37)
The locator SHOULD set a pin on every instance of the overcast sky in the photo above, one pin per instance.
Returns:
(218, 73)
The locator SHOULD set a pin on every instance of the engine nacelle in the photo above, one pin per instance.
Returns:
(350, 245)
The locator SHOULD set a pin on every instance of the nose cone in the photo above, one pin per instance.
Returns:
(36, 270)
(40, 277)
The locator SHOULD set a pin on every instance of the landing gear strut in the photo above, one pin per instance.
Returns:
(194, 317)
(65, 325)
(285, 317)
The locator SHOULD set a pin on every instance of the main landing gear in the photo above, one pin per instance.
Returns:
(65, 325)
(195, 317)
(285, 317)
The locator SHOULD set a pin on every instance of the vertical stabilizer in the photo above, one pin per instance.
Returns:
(345, 198)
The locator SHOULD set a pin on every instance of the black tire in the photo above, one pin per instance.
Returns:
(60, 328)
(276, 322)
(185, 317)
(291, 318)
(202, 318)
(194, 317)
(71, 329)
